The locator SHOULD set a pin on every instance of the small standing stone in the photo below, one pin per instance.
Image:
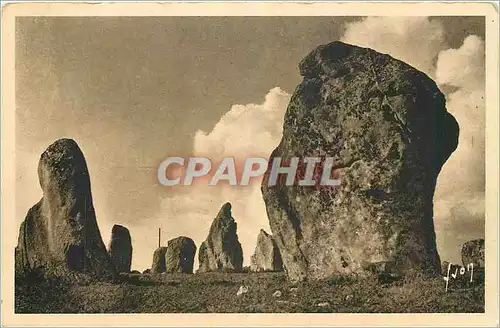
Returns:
(180, 255)
(266, 256)
(221, 251)
(120, 248)
(159, 260)
(473, 252)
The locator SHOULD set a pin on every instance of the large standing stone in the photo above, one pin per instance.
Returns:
(180, 255)
(120, 248)
(266, 256)
(386, 128)
(60, 233)
(473, 252)
(221, 251)
(159, 265)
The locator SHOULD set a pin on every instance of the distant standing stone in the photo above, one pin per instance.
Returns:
(221, 251)
(473, 252)
(120, 248)
(266, 256)
(159, 260)
(180, 255)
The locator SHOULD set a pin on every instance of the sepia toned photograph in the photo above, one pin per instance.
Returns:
(251, 163)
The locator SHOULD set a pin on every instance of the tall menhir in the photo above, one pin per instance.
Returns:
(386, 125)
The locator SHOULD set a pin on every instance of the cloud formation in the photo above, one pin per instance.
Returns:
(245, 130)
(459, 207)
(415, 40)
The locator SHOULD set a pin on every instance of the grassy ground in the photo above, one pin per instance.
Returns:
(217, 292)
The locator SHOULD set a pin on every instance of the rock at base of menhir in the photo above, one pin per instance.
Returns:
(266, 256)
(159, 265)
(221, 251)
(120, 248)
(180, 255)
(60, 235)
(473, 252)
(386, 130)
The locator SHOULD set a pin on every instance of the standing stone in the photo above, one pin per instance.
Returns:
(266, 256)
(385, 127)
(473, 252)
(221, 251)
(180, 255)
(60, 233)
(120, 248)
(159, 265)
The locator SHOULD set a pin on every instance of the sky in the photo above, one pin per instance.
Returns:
(132, 91)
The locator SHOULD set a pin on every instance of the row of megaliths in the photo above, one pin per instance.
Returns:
(220, 252)
(60, 235)
(384, 124)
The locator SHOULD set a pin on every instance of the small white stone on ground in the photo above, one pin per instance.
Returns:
(277, 293)
(242, 290)
(323, 304)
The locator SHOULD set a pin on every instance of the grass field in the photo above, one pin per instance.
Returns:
(217, 292)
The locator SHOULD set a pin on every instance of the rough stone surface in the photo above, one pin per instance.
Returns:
(221, 251)
(180, 255)
(120, 248)
(159, 264)
(386, 128)
(60, 235)
(266, 256)
(473, 252)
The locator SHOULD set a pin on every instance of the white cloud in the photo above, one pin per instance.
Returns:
(415, 40)
(463, 67)
(245, 130)
(459, 208)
